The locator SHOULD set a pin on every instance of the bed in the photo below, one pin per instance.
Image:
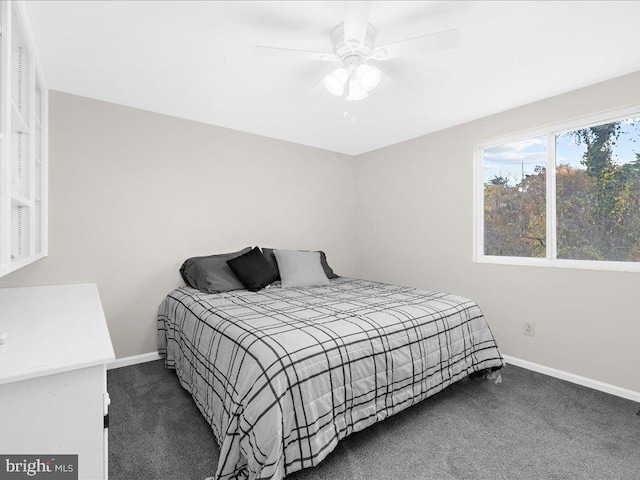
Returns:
(282, 375)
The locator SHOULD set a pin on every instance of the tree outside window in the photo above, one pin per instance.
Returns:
(595, 194)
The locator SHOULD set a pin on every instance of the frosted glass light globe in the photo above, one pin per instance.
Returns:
(335, 81)
(355, 92)
(368, 77)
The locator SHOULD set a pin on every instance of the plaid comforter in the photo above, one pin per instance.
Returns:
(283, 374)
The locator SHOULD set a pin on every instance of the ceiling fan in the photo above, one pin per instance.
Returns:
(354, 46)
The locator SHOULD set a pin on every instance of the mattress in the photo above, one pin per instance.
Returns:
(282, 375)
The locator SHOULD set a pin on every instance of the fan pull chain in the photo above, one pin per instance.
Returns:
(345, 115)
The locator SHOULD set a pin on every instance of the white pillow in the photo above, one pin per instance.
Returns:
(300, 269)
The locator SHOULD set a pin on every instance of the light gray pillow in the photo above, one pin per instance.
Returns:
(300, 269)
(271, 258)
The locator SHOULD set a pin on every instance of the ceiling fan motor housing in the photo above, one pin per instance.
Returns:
(345, 48)
(352, 61)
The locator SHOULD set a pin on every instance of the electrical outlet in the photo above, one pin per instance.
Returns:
(530, 329)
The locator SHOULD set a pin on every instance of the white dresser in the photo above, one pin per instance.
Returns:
(53, 380)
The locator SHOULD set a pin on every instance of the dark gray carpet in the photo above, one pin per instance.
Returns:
(530, 426)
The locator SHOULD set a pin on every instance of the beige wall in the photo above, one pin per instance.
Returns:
(415, 227)
(133, 193)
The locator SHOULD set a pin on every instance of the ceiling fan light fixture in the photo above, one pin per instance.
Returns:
(368, 77)
(335, 81)
(355, 93)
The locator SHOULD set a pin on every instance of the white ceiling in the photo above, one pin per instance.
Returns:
(196, 60)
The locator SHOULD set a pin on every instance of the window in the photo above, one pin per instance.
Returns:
(23, 145)
(567, 195)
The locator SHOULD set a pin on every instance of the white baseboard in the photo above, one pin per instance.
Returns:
(570, 377)
(552, 372)
(126, 361)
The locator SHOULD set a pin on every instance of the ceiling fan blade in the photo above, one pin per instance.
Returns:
(413, 46)
(356, 19)
(303, 54)
(389, 77)
(314, 89)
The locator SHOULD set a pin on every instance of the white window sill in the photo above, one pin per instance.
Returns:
(572, 264)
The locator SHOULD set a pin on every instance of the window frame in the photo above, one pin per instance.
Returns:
(550, 131)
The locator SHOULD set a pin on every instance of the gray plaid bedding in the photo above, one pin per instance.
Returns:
(283, 374)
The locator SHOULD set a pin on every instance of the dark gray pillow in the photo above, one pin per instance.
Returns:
(211, 274)
(300, 269)
(270, 257)
(325, 266)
